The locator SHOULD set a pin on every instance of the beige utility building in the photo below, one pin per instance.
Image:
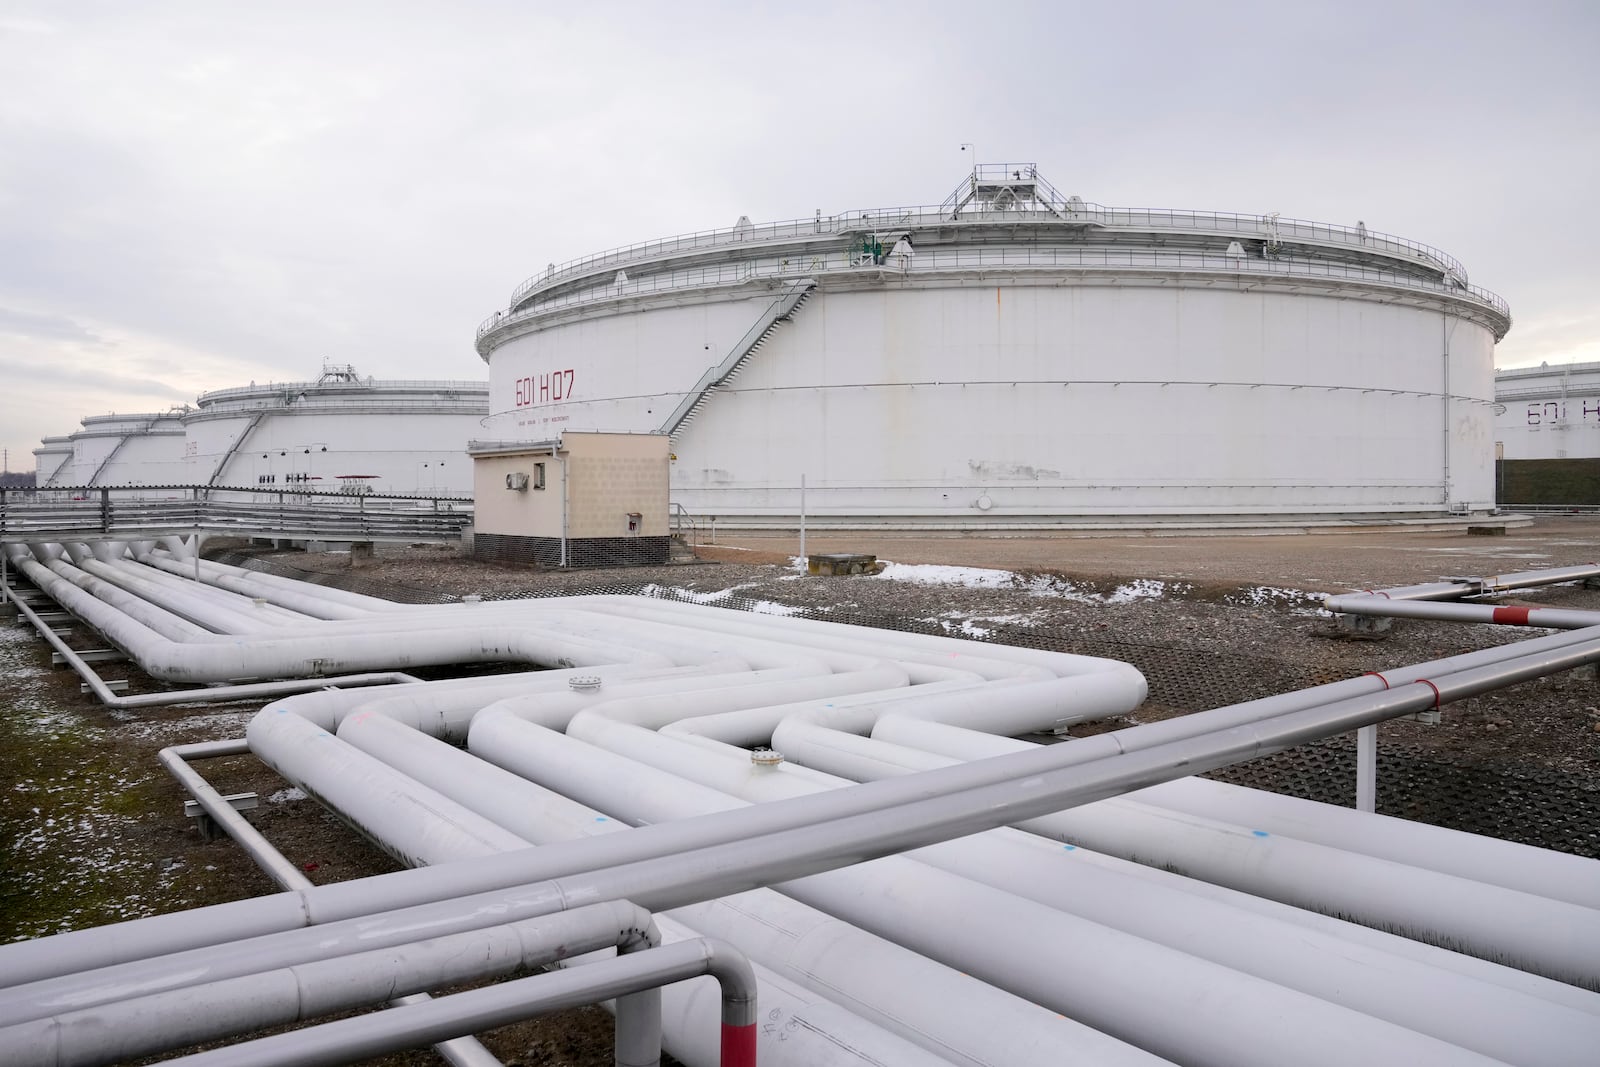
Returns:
(579, 500)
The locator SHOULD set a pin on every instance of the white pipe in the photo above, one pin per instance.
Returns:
(1491, 861)
(191, 603)
(798, 1027)
(439, 822)
(264, 580)
(127, 1029)
(254, 607)
(1550, 937)
(965, 1020)
(387, 808)
(168, 624)
(1370, 982)
(842, 753)
(974, 929)
(1547, 618)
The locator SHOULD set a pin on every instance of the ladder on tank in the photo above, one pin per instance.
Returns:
(781, 310)
(238, 443)
(104, 463)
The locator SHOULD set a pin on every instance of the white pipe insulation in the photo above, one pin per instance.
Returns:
(1001, 911)
(1004, 939)
(922, 1000)
(1523, 868)
(442, 830)
(1376, 974)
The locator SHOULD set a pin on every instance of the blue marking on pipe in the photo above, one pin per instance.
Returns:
(1260, 833)
(1070, 848)
(600, 818)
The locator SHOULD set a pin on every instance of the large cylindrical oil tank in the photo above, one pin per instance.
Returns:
(1017, 357)
(340, 432)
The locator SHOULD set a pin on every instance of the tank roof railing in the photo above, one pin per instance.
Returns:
(1553, 370)
(1006, 176)
(337, 387)
(999, 256)
(1549, 391)
(1069, 211)
(137, 416)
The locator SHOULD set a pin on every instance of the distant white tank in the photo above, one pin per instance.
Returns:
(1547, 412)
(135, 449)
(1017, 357)
(53, 454)
(341, 432)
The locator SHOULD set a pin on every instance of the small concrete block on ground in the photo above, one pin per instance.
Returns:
(829, 564)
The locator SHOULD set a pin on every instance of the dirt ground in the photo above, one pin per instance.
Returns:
(1362, 558)
(92, 830)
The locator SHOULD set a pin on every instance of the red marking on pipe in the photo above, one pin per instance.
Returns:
(738, 1045)
(1435, 689)
(1511, 616)
(1379, 677)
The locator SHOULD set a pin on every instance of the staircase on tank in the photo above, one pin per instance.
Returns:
(781, 310)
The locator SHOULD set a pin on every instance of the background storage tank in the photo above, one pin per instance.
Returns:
(1547, 434)
(53, 455)
(140, 449)
(1014, 356)
(339, 432)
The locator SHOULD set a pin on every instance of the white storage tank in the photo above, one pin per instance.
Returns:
(1547, 412)
(341, 432)
(1017, 357)
(52, 461)
(1547, 435)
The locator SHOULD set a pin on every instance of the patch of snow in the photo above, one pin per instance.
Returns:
(935, 574)
(772, 607)
(1261, 596)
(1054, 585)
(957, 622)
(284, 796)
(760, 607)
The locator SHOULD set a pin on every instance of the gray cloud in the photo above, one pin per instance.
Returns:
(46, 327)
(102, 382)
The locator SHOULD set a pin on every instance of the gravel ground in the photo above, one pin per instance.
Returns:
(92, 829)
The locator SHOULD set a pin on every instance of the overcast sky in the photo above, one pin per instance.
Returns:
(195, 195)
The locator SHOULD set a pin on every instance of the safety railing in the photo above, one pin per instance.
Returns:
(277, 388)
(469, 403)
(685, 529)
(1071, 209)
(134, 510)
(1019, 257)
(1549, 509)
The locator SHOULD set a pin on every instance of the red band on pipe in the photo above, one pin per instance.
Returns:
(1511, 616)
(739, 1045)
(1379, 677)
(1435, 689)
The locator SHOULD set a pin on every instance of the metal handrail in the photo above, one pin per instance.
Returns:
(925, 215)
(383, 383)
(130, 510)
(681, 520)
(998, 257)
